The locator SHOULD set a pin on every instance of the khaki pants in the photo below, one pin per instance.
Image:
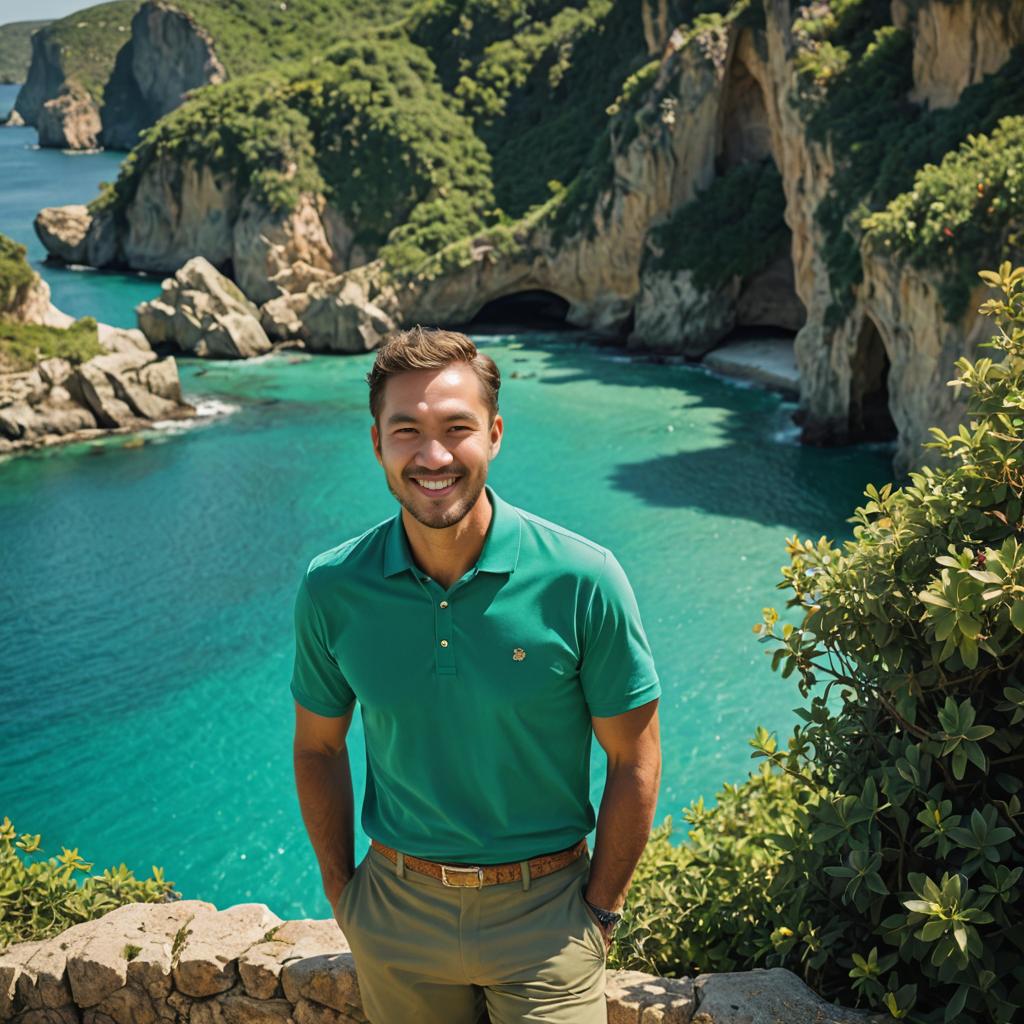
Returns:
(427, 953)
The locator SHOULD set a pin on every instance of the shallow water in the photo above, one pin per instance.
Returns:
(145, 612)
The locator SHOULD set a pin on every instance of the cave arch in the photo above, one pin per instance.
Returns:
(869, 417)
(533, 309)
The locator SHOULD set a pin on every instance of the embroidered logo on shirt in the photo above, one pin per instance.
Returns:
(518, 654)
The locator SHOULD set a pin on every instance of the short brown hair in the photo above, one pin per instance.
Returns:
(430, 348)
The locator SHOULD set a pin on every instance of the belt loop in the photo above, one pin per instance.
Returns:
(400, 864)
(525, 867)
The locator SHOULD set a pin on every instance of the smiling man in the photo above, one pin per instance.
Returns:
(486, 647)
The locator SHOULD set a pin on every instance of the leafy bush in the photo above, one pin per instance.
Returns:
(24, 345)
(902, 871)
(15, 273)
(959, 211)
(40, 898)
(699, 905)
(880, 854)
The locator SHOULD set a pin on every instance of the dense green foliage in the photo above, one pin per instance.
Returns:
(250, 36)
(887, 869)
(959, 211)
(40, 898)
(698, 905)
(369, 126)
(88, 42)
(734, 228)
(855, 72)
(16, 49)
(24, 345)
(536, 78)
(15, 273)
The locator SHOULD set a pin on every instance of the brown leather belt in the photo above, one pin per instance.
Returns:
(478, 875)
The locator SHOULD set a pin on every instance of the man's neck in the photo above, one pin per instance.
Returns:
(446, 554)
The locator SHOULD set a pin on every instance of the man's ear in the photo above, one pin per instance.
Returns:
(497, 427)
(375, 440)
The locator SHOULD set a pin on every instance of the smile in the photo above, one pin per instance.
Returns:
(437, 487)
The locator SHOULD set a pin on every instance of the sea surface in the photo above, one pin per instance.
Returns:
(146, 598)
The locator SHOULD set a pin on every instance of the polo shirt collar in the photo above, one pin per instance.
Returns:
(500, 552)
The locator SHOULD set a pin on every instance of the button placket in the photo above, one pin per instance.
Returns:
(445, 647)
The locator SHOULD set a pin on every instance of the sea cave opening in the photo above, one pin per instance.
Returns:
(533, 309)
(870, 418)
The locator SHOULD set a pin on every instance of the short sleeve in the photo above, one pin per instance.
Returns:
(317, 682)
(617, 671)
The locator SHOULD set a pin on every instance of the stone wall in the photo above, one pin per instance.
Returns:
(145, 963)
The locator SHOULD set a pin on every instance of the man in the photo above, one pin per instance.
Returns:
(486, 646)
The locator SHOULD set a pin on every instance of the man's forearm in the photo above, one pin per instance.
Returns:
(324, 786)
(623, 828)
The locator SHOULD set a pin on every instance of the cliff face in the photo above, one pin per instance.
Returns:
(168, 54)
(46, 76)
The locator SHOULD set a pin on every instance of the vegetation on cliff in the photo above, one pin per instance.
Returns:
(15, 273)
(40, 898)
(16, 49)
(958, 211)
(856, 73)
(743, 211)
(87, 42)
(368, 126)
(23, 345)
(891, 869)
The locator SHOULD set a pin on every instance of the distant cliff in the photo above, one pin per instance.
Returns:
(101, 75)
(16, 49)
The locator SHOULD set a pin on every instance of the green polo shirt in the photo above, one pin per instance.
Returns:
(476, 700)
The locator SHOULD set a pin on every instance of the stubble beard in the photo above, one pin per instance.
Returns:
(437, 518)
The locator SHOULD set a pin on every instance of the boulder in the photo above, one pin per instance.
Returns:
(63, 231)
(204, 313)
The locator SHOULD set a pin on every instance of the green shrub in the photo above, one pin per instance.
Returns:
(733, 228)
(959, 212)
(901, 880)
(15, 273)
(40, 898)
(24, 345)
(699, 905)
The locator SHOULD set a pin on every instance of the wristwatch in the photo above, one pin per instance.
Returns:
(608, 918)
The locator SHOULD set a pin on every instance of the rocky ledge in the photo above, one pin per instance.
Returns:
(188, 961)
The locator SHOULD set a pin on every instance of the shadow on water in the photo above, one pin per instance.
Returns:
(754, 468)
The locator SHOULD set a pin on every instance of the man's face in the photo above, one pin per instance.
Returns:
(434, 430)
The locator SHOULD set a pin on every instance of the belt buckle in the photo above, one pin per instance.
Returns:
(478, 871)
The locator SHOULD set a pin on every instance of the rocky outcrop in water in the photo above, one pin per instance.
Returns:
(81, 93)
(187, 960)
(205, 314)
(57, 400)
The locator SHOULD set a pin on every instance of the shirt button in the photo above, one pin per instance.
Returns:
(444, 604)
(444, 643)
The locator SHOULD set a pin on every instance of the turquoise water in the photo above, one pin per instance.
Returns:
(31, 178)
(145, 645)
